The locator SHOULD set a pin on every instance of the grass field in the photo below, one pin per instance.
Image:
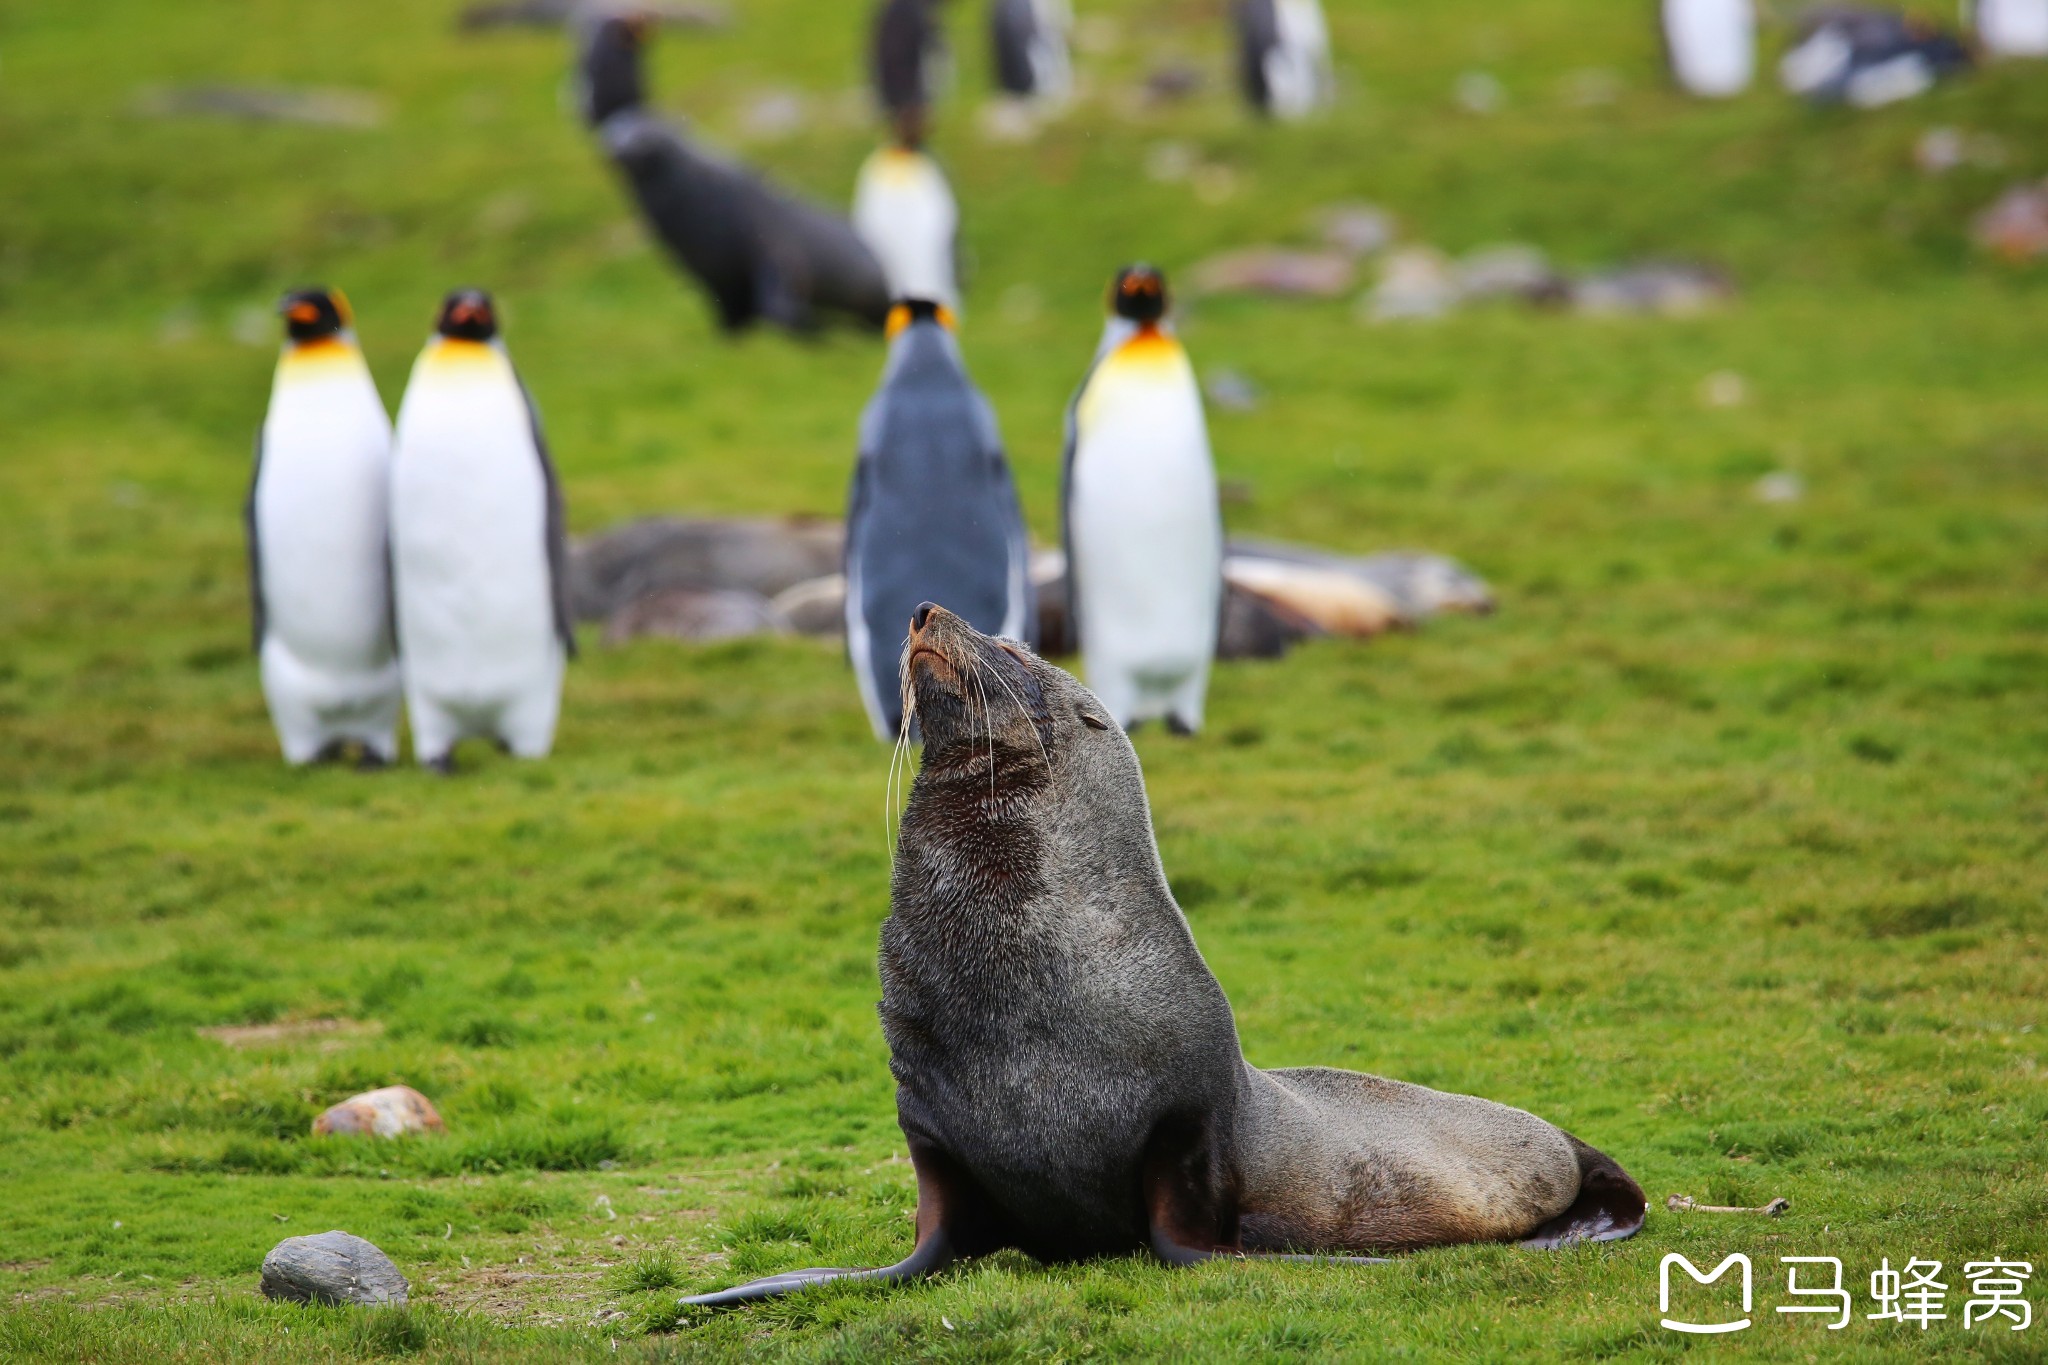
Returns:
(1724, 844)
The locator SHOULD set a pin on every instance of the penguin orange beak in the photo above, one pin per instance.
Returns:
(464, 313)
(303, 313)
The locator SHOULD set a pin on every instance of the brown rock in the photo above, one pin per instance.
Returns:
(2015, 228)
(1276, 270)
(390, 1112)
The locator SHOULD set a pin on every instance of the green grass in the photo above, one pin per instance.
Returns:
(1724, 844)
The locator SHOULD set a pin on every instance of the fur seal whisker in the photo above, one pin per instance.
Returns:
(1026, 716)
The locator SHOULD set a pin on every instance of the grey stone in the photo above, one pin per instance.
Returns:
(332, 1267)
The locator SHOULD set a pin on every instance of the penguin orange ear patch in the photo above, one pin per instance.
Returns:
(341, 308)
(899, 318)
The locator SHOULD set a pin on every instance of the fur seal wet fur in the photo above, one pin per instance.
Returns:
(1068, 1072)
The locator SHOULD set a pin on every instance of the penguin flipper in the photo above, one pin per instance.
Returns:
(875, 697)
(557, 531)
(1073, 445)
(257, 617)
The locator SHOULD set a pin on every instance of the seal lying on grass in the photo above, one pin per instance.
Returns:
(1068, 1072)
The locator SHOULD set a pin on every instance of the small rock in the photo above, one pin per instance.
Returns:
(390, 1112)
(1356, 229)
(1660, 288)
(773, 115)
(1779, 486)
(1415, 282)
(1275, 270)
(1479, 92)
(1592, 86)
(695, 614)
(1939, 151)
(1724, 389)
(1168, 162)
(1008, 121)
(332, 1267)
(2015, 228)
(1512, 270)
(1230, 390)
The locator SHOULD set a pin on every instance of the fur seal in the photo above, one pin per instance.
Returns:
(1068, 1072)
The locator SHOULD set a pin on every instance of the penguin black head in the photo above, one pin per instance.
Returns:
(908, 311)
(1138, 293)
(314, 314)
(610, 66)
(467, 315)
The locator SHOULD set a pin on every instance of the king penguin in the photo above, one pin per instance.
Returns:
(933, 515)
(1030, 41)
(761, 254)
(904, 210)
(319, 553)
(1711, 45)
(478, 545)
(1283, 54)
(1144, 533)
(909, 64)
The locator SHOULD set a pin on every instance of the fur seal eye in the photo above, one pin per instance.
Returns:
(1092, 721)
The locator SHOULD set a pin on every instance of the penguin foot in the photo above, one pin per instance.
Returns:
(370, 761)
(444, 764)
(1176, 726)
(333, 751)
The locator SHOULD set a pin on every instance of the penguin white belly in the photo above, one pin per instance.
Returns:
(469, 544)
(904, 211)
(1297, 68)
(1052, 72)
(2013, 28)
(329, 669)
(1147, 540)
(1712, 45)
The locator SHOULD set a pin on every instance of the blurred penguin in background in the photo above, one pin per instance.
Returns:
(2012, 28)
(904, 211)
(1030, 41)
(319, 549)
(909, 64)
(761, 254)
(1711, 45)
(1143, 529)
(933, 515)
(479, 546)
(1283, 52)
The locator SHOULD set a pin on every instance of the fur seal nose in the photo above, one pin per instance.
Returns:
(922, 615)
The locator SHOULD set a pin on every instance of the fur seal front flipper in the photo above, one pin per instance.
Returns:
(1068, 1073)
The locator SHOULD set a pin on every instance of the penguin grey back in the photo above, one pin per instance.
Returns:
(933, 515)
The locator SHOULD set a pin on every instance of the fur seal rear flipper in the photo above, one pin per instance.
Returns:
(1068, 1073)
